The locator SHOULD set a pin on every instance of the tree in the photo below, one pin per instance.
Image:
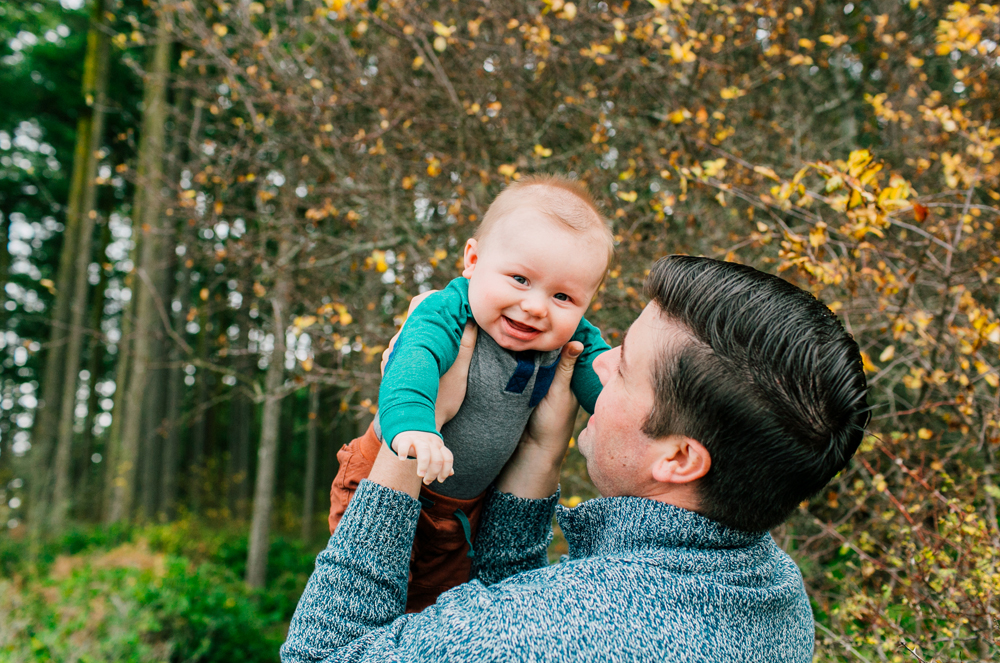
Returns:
(267, 454)
(309, 487)
(148, 219)
(95, 86)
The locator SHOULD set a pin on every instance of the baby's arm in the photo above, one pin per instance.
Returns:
(586, 385)
(434, 460)
(426, 348)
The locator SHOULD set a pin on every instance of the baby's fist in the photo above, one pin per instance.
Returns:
(434, 460)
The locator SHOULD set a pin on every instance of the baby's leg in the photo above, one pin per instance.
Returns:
(356, 460)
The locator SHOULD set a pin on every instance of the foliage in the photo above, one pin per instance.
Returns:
(169, 592)
(850, 147)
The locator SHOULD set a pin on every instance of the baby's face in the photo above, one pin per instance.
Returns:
(531, 279)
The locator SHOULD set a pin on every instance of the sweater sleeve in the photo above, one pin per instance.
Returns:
(513, 536)
(352, 607)
(585, 384)
(425, 350)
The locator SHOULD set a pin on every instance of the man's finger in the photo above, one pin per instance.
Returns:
(468, 344)
(567, 361)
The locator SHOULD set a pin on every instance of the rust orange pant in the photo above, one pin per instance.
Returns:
(439, 560)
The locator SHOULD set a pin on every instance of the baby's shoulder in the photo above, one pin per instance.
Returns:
(452, 299)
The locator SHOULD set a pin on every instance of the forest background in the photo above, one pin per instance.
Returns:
(213, 215)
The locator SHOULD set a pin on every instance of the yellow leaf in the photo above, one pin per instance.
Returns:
(434, 167)
(867, 363)
(507, 170)
(440, 43)
(679, 116)
(409, 181)
(443, 30)
(220, 29)
(817, 236)
(542, 151)
(731, 92)
(721, 197)
(767, 172)
(203, 294)
(568, 13)
(857, 161)
(304, 321)
(628, 196)
(307, 364)
(925, 433)
(887, 354)
(418, 62)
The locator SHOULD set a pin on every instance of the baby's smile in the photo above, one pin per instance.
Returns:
(519, 330)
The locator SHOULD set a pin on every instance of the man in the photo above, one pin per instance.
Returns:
(733, 397)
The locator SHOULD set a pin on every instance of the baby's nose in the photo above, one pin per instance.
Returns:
(534, 306)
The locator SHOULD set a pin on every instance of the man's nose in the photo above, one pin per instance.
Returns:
(604, 363)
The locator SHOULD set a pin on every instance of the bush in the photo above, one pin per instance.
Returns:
(166, 592)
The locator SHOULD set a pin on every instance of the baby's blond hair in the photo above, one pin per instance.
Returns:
(564, 200)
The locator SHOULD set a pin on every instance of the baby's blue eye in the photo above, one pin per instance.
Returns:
(561, 296)
(520, 279)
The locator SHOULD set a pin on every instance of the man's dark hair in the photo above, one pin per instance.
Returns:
(769, 381)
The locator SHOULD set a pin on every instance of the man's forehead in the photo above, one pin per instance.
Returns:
(652, 333)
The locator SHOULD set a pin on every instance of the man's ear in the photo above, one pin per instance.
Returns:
(681, 460)
(471, 257)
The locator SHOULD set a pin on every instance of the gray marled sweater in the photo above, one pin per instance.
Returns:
(644, 582)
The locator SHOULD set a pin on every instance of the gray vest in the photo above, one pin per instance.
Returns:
(500, 396)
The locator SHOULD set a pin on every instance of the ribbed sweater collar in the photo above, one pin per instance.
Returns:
(606, 526)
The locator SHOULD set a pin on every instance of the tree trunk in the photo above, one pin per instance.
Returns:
(180, 285)
(267, 455)
(147, 220)
(85, 467)
(113, 440)
(175, 377)
(4, 269)
(240, 414)
(95, 86)
(309, 492)
(198, 472)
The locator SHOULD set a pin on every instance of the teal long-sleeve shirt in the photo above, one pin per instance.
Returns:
(428, 345)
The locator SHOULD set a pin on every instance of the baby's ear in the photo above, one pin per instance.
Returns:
(471, 257)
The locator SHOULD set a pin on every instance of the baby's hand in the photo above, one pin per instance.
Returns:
(434, 460)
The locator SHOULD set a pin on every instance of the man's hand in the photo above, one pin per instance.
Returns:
(533, 470)
(451, 389)
(434, 460)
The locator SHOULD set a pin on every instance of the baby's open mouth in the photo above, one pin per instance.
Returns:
(520, 330)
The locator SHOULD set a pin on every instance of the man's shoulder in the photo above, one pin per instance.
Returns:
(640, 603)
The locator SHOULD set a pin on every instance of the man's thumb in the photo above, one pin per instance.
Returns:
(567, 360)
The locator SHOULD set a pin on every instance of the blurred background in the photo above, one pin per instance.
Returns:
(213, 215)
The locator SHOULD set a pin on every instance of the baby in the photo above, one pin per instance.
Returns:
(531, 270)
